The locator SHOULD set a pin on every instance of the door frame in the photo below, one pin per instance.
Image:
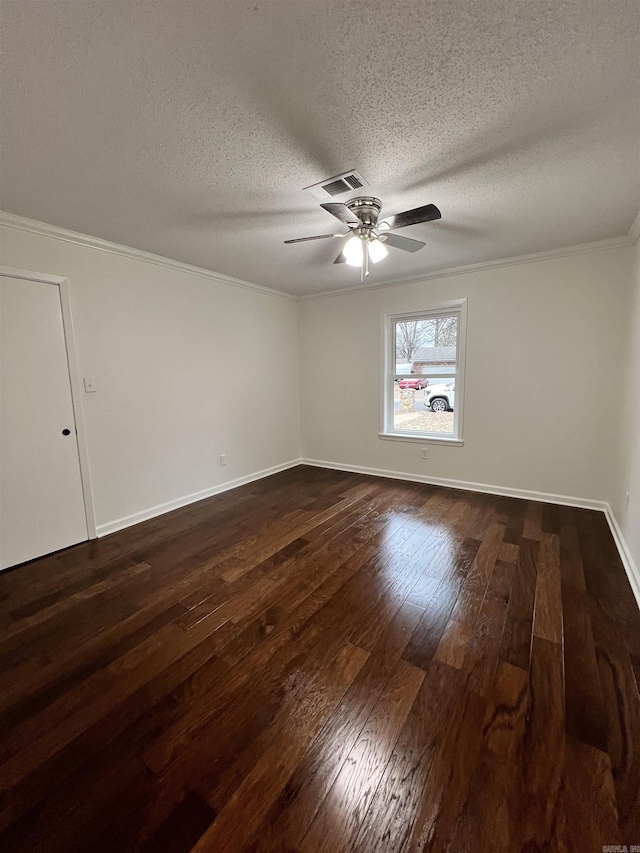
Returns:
(74, 380)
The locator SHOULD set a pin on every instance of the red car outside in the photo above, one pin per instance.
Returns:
(417, 384)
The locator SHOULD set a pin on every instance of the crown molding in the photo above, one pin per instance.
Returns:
(547, 255)
(11, 220)
(21, 223)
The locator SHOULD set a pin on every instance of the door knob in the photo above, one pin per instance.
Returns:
(66, 432)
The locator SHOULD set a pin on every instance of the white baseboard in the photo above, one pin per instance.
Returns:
(504, 491)
(633, 573)
(160, 509)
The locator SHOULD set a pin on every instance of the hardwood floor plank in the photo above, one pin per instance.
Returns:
(483, 651)
(343, 809)
(508, 552)
(589, 816)
(490, 819)
(532, 520)
(333, 622)
(515, 525)
(304, 685)
(547, 617)
(324, 661)
(453, 644)
(571, 567)
(50, 830)
(61, 748)
(518, 628)
(586, 718)
(597, 580)
(214, 731)
(475, 584)
(550, 518)
(543, 747)
(622, 712)
(423, 591)
(486, 515)
(62, 678)
(439, 609)
(64, 596)
(584, 705)
(292, 814)
(389, 822)
(268, 774)
(447, 785)
(182, 829)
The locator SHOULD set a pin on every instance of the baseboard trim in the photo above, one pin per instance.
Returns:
(633, 573)
(503, 491)
(161, 509)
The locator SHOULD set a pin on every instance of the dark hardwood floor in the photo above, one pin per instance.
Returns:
(325, 662)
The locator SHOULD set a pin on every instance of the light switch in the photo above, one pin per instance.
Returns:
(90, 384)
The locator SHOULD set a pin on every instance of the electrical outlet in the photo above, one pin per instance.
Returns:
(223, 458)
(424, 453)
(626, 501)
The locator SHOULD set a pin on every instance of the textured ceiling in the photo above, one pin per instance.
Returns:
(189, 128)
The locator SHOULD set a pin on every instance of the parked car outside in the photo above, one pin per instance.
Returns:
(440, 398)
(417, 384)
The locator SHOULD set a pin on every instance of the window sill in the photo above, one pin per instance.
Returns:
(424, 439)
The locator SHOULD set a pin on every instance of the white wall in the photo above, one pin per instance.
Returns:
(543, 378)
(189, 367)
(627, 468)
(186, 368)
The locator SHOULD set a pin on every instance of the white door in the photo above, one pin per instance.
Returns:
(41, 499)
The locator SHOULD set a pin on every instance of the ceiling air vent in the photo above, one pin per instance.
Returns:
(331, 187)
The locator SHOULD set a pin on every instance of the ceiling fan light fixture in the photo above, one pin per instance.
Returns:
(364, 242)
(377, 251)
(354, 251)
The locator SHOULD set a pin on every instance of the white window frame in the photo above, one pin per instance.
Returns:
(388, 352)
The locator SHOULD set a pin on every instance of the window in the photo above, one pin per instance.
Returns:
(423, 381)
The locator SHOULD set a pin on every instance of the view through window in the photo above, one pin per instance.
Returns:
(422, 376)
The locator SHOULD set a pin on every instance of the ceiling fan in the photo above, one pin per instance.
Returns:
(368, 238)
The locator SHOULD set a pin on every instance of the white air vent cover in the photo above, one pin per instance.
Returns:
(331, 187)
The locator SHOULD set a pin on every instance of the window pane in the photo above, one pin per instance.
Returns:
(427, 409)
(426, 346)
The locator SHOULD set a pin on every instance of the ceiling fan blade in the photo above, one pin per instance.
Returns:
(398, 242)
(319, 237)
(341, 212)
(340, 259)
(427, 213)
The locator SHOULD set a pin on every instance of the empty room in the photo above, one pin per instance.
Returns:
(319, 426)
